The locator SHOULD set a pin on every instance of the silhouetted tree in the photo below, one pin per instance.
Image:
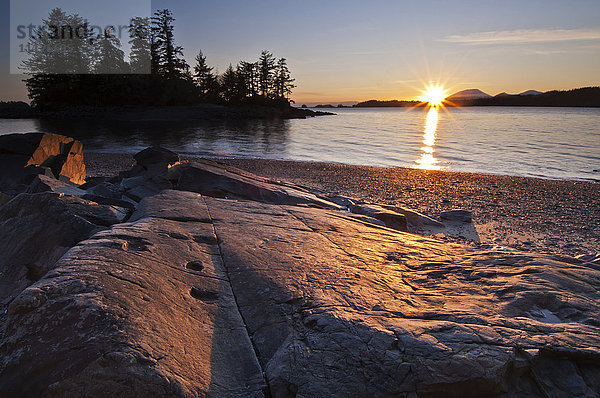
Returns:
(229, 85)
(249, 73)
(205, 79)
(169, 57)
(266, 69)
(62, 45)
(65, 52)
(140, 56)
(108, 56)
(283, 82)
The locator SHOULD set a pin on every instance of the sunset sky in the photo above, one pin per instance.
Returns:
(388, 49)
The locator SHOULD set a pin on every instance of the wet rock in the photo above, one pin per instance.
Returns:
(459, 215)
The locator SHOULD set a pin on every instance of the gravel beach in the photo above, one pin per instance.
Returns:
(530, 214)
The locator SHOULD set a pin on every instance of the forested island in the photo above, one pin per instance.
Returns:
(75, 71)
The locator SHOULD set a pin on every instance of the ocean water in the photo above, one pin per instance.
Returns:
(561, 143)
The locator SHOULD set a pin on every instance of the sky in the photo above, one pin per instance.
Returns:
(348, 51)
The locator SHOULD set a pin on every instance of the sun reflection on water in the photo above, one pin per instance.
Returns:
(427, 161)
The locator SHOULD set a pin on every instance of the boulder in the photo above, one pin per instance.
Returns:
(125, 204)
(25, 155)
(156, 156)
(148, 177)
(106, 190)
(42, 183)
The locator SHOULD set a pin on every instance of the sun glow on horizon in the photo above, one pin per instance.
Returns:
(434, 94)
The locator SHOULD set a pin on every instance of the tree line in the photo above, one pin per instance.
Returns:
(71, 64)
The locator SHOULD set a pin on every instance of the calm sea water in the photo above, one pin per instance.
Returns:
(541, 142)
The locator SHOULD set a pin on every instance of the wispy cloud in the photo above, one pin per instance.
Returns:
(523, 36)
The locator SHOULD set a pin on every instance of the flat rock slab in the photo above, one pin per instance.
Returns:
(202, 296)
(173, 205)
(143, 309)
(340, 308)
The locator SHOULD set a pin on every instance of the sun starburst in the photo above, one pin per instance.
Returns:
(434, 95)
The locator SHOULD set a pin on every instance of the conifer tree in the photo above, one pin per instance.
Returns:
(229, 84)
(205, 79)
(62, 45)
(109, 58)
(249, 73)
(169, 56)
(140, 56)
(266, 69)
(283, 82)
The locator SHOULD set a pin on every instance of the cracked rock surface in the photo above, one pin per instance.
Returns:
(280, 296)
(142, 309)
(323, 304)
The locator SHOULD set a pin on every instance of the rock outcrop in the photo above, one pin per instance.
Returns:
(142, 309)
(249, 287)
(212, 179)
(23, 156)
(37, 229)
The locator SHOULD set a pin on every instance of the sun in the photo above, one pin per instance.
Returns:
(434, 94)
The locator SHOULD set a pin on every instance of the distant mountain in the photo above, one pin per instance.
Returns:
(531, 92)
(580, 97)
(586, 96)
(469, 94)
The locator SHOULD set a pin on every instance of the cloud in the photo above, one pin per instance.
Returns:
(524, 36)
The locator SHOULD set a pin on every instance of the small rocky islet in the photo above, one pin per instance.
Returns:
(201, 279)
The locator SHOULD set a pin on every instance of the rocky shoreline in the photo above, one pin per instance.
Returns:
(22, 110)
(548, 216)
(197, 278)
